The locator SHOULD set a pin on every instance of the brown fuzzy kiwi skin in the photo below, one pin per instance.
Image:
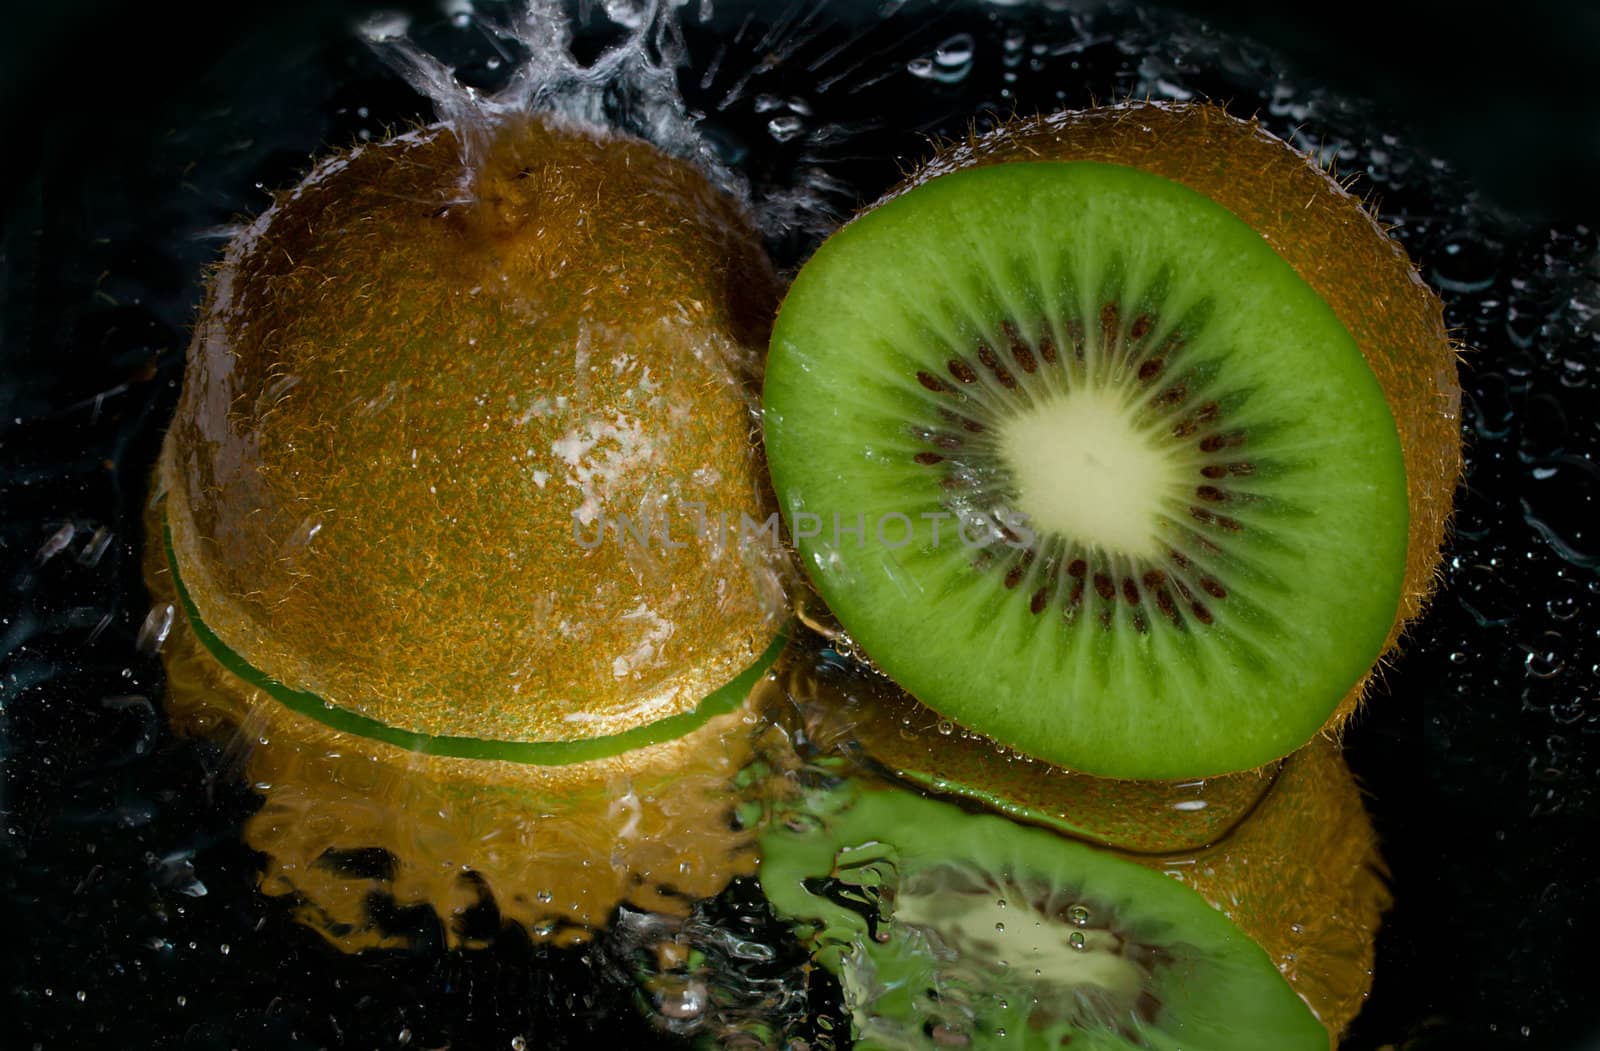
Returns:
(1303, 876)
(405, 378)
(1329, 238)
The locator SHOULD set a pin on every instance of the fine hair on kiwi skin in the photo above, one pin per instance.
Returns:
(401, 394)
(1301, 878)
(1340, 254)
(864, 717)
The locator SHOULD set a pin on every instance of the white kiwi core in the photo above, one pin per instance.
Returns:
(1083, 468)
(1030, 943)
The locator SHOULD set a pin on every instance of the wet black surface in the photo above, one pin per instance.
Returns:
(127, 898)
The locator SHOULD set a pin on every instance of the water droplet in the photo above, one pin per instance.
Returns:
(950, 62)
(1077, 940)
(1464, 263)
(957, 51)
(384, 25)
(56, 544)
(684, 1003)
(786, 127)
(1543, 661)
(155, 629)
(1079, 915)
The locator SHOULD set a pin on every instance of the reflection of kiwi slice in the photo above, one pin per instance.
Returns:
(436, 474)
(1101, 474)
(951, 930)
(1303, 876)
(872, 719)
(946, 928)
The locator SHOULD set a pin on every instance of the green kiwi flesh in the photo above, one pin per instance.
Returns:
(1082, 463)
(948, 929)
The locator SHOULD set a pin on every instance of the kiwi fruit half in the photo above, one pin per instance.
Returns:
(435, 474)
(948, 928)
(432, 521)
(870, 720)
(1083, 459)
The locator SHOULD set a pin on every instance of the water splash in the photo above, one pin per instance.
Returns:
(630, 88)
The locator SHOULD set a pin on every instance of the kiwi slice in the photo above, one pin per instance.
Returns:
(956, 930)
(1333, 242)
(1082, 463)
(886, 732)
(948, 928)
(435, 472)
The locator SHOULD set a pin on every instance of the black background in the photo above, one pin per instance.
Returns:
(1488, 824)
(1504, 91)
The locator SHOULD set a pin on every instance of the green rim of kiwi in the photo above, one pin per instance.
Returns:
(1083, 464)
(534, 753)
(949, 929)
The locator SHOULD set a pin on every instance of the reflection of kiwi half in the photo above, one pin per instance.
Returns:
(870, 718)
(950, 929)
(357, 832)
(1136, 453)
(434, 501)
